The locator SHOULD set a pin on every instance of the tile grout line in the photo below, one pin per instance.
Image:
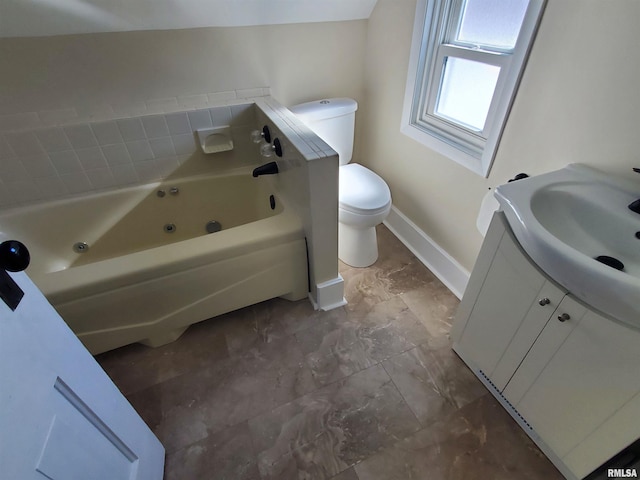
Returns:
(403, 399)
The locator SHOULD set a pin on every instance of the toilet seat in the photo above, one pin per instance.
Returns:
(361, 191)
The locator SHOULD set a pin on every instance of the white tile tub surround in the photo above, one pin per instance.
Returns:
(46, 163)
(98, 112)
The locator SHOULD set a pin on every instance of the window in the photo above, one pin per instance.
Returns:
(467, 57)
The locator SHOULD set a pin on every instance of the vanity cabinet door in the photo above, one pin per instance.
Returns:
(540, 354)
(540, 311)
(511, 307)
(577, 375)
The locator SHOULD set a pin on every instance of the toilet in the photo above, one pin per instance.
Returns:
(364, 197)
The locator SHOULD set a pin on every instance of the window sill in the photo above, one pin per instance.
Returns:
(475, 164)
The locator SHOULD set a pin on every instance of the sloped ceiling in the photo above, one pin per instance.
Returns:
(27, 18)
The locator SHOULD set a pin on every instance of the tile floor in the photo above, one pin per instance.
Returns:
(370, 391)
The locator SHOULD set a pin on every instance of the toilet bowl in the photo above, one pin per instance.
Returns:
(364, 202)
(364, 198)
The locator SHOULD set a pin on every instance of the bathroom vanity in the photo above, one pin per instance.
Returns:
(567, 373)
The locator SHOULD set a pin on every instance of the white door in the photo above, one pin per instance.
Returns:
(61, 417)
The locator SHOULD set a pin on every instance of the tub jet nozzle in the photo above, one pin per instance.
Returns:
(80, 247)
(213, 226)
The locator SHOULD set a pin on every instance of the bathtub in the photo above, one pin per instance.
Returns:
(150, 268)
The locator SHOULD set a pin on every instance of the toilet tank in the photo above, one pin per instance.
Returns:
(333, 120)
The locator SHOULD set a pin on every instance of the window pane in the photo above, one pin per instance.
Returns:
(466, 91)
(492, 22)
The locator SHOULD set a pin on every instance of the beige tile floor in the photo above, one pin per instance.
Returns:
(370, 391)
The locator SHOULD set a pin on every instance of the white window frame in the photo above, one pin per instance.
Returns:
(434, 26)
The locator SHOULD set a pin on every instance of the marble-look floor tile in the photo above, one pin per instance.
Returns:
(364, 288)
(297, 316)
(435, 306)
(391, 251)
(347, 342)
(280, 391)
(136, 367)
(434, 383)
(226, 455)
(325, 432)
(251, 326)
(480, 441)
(194, 405)
(348, 474)
(396, 271)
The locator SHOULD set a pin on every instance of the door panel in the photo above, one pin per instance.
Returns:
(81, 445)
(508, 296)
(60, 415)
(578, 379)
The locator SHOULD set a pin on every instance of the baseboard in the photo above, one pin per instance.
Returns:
(432, 255)
(329, 295)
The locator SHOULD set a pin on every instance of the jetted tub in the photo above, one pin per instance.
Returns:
(151, 269)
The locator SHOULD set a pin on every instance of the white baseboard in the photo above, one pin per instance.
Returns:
(434, 257)
(330, 295)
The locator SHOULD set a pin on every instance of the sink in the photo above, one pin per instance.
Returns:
(566, 219)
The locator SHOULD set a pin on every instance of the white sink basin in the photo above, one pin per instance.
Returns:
(567, 218)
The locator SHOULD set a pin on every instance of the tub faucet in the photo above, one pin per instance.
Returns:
(266, 169)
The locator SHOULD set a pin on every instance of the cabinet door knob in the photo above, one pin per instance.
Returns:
(564, 317)
(544, 301)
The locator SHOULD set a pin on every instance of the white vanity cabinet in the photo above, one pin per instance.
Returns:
(577, 375)
(568, 375)
(505, 307)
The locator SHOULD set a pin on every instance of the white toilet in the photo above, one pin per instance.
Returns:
(364, 197)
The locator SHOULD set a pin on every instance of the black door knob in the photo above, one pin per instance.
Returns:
(14, 256)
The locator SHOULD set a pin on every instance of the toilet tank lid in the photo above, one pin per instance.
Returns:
(325, 108)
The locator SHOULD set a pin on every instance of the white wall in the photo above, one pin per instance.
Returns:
(578, 102)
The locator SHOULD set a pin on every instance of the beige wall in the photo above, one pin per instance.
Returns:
(87, 72)
(578, 102)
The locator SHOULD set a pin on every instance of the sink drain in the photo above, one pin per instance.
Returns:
(169, 228)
